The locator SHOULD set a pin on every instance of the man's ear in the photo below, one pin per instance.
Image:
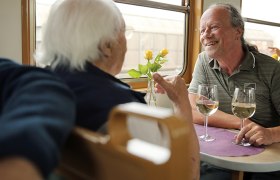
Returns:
(239, 32)
(106, 48)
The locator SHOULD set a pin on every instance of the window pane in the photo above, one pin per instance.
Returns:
(263, 36)
(153, 29)
(259, 34)
(267, 10)
(174, 2)
(147, 28)
(42, 12)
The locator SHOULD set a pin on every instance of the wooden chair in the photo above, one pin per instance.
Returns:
(90, 155)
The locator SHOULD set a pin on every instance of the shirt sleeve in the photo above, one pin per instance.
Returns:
(37, 115)
(198, 76)
(275, 90)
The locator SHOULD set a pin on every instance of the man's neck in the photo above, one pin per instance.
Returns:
(230, 62)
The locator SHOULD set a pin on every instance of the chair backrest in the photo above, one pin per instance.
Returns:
(90, 155)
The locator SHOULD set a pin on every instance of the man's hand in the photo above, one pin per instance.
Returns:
(174, 86)
(176, 90)
(275, 50)
(255, 134)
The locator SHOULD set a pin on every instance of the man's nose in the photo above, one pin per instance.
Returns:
(206, 33)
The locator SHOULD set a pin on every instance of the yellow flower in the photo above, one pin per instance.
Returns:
(274, 56)
(151, 66)
(163, 52)
(148, 54)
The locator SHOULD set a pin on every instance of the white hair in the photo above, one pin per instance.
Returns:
(75, 29)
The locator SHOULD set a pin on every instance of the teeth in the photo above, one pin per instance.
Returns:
(210, 44)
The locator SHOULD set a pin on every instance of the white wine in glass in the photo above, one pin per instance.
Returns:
(207, 104)
(243, 106)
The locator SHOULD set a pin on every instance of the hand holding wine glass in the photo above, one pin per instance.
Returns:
(207, 104)
(243, 106)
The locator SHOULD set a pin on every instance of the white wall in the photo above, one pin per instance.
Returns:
(10, 29)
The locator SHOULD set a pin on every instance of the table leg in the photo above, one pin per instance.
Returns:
(237, 175)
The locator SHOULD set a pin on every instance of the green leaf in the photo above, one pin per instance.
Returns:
(149, 75)
(163, 61)
(143, 68)
(149, 65)
(133, 73)
(157, 59)
(155, 67)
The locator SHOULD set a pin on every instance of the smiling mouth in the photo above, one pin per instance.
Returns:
(211, 43)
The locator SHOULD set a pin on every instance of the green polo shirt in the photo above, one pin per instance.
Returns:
(256, 70)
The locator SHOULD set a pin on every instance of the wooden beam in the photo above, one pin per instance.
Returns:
(194, 47)
(28, 31)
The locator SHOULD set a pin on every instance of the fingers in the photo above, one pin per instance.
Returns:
(174, 86)
(241, 134)
(158, 88)
(256, 140)
(252, 138)
(165, 84)
(248, 132)
(259, 141)
(255, 135)
(161, 84)
(275, 50)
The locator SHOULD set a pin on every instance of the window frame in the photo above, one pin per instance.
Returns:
(28, 31)
(258, 21)
(262, 22)
(194, 7)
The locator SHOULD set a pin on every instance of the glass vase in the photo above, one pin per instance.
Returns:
(151, 95)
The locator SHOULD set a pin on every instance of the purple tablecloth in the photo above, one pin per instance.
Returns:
(222, 145)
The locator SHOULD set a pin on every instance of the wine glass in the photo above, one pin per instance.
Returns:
(243, 106)
(207, 104)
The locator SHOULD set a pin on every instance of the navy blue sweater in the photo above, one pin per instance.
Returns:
(37, 112)
(97, 92)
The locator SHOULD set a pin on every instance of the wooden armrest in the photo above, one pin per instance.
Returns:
(90, 155)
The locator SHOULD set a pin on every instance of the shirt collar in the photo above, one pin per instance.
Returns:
(249, 60)
(248, 63)
(213, 63)
(92, 69)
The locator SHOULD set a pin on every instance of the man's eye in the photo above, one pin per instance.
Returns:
(214, 27)
(202, 31)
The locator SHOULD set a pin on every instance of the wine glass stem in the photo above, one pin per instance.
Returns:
(242, 123)
(206, 125)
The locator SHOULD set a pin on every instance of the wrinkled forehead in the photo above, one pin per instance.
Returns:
(215, 14)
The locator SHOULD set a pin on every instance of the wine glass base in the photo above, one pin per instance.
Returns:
(206, 138)
(242, 143)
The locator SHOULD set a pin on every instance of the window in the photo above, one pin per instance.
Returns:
(42, 12)
(174, 2)
(262, 24)
(153, 29)
(153, 24)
